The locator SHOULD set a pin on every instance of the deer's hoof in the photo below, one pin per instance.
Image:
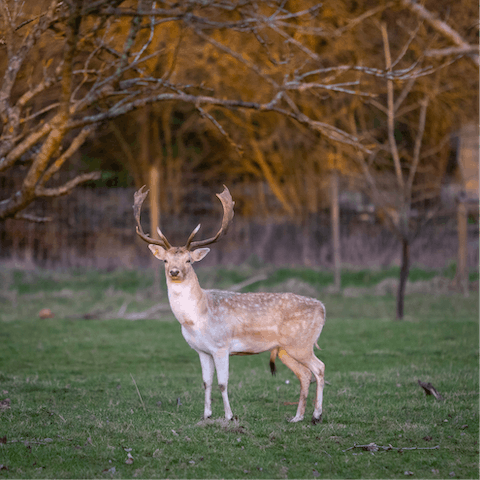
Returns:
(317, 420)
(296, 418)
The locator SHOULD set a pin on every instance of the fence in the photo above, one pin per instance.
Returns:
(94, 228)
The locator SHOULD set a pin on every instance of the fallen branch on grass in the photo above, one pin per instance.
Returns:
(373, 447)
(93, 315)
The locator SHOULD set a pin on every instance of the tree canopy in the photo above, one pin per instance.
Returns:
(285, 86)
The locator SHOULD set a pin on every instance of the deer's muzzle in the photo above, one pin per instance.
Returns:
(175, 275)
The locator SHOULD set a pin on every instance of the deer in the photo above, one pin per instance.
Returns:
(218, 324)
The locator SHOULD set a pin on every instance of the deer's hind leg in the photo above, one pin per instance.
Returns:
(304, 375)
(317, 367)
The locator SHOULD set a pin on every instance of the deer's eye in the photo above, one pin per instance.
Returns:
(165, 261)
(188, 261)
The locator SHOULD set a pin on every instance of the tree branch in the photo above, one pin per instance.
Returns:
(15, 153)
(67, 187)
(31, 218)
(73, 27)
(18, 58)
(444, 52)
(205, 114)
(417, 147)
(440, 27)
(76, 143)
(331, 132)
(391, 110)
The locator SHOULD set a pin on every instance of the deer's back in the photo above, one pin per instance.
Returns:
(269, 307)
(256, 322)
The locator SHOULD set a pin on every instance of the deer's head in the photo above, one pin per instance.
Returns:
(178, 260)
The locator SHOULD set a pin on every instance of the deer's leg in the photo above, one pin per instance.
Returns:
(221, 365)
(207, 374)
(304, 375)
(319, 373)
(317, 367)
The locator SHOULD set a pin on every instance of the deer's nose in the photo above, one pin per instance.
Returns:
(174, 272)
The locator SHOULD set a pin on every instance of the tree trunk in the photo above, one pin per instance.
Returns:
(403, 277)
(335, 218)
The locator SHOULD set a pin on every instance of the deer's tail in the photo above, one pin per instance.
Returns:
(273, 356)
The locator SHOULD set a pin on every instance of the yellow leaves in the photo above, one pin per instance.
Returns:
(339, 161)
(328, 11)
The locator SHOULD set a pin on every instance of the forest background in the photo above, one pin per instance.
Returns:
(298, 107)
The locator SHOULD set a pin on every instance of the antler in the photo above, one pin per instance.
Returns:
(139, 198)
(227, 204)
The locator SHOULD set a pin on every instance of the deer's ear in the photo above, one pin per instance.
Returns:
(158, 251)
(199, 254)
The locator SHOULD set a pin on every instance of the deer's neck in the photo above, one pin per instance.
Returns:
(187, 300)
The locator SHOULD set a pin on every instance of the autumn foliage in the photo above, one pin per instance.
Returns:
(280, 92)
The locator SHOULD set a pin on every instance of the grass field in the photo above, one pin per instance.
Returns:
(124, 399)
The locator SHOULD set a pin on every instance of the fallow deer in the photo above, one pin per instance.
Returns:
(218, 324)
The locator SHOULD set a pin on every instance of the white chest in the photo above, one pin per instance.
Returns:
(196, 338)
(187, 304)
(190, 307)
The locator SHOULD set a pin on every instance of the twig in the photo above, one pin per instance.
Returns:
(207, 115)
(32, 218)
(443, 52)
(66, 188)
(373, 447)
(440, 26)
(140, 396)
(93, 315)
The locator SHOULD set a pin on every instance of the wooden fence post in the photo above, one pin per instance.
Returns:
(154, 186)
(462, 264)
(335, 218)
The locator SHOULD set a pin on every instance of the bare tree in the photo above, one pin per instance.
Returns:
(98, 69)
(404, 173)
(72, 65)
(255, 71)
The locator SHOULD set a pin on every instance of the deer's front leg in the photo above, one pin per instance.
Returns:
(207, 374)
(221, 364)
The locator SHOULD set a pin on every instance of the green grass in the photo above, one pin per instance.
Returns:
(223, 277)
(75, 410)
